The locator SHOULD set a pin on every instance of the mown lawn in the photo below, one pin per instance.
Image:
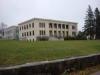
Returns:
(19, 52)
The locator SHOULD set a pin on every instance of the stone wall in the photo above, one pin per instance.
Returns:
(54, 67)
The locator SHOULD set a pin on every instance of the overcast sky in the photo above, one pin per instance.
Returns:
(13, 12)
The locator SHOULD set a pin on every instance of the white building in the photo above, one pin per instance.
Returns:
(54, 29)
(11, 33)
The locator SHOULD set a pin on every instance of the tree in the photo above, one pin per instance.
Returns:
(97, 22)
(3, 26)
(89, 27)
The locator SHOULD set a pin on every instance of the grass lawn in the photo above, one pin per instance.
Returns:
(19, 52)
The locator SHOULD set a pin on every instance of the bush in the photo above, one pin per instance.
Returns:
(42, 38)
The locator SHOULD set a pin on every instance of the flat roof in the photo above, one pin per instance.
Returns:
(46, 20)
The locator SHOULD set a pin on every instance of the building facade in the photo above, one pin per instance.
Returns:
(11, 33)
(53, 29)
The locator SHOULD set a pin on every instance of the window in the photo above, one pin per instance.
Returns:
(50, 25)
(32, 25)
(59, 26)
(30, 33)
(55, 25)
(42, 32)
(27, 26)
(66, 26)
(42, 25)
(73, 27)
(33, 32)
(66, 33)
(73, 33)
(22, 34)
(59, 32)
(20, 28)
(55, 33)
(63, 26)
(27, 33)
(50, 33)
(63, 33)
(24, 27)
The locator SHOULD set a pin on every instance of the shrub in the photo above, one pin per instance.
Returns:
(42, 38)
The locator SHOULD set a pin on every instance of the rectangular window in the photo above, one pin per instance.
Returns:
(73, 27)
(42, 25)
(50, 33)
(73, 33)
(27, 26)
(22, 34)
(66, 33)
(33, 32)
(59, 26)
(55, 33)
(63, 33)
(66, 26)
(44, 33)
(63, 26)
(40, 32)
(55, 25)
(59, 32)
(27, 33)
(30, 33)
(50, 25)
(24, 27)
(20, 28)
(32, 25)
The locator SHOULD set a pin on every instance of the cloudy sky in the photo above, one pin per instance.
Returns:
(13, 12)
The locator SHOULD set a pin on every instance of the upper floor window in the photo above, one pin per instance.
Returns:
(32, 25)
(55, 25)
(27, 33)
(42, 25)
(30, 33)
(33, 32)
(63, 26)
(22, 28)
(27, 26)
(73, 27)
(66, 26)
(59, 26)
(50, 25)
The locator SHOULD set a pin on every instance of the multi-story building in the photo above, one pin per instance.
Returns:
(11, 33)
(54, 29)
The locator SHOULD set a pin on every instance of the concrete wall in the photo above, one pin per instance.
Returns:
(55, 67)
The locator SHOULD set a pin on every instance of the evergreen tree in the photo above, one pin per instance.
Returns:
(89, 27)
(97, 22)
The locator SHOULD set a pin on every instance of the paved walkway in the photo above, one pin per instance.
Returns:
(97, 73)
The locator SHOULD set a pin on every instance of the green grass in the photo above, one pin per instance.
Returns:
(19, 52)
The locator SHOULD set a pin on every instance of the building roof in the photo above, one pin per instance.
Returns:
(46, 20)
